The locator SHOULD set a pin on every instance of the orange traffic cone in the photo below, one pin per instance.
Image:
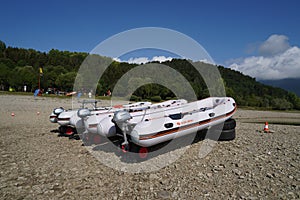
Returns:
(266, 128)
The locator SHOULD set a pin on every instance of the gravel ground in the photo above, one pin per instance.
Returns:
(37, 164)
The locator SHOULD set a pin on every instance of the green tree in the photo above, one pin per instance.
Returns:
(65, 81)
(4, 76)
(281, 104)
(25, 76)
(294, 99)
(2, 47)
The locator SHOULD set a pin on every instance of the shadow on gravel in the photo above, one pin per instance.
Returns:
(153, 151)
(71, 137)
(59, 133)
(133, 157)
(54, 131)
(74, 137)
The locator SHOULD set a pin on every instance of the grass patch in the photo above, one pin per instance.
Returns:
(287, 123)
(266, 109)
(293, 123)
(16, 93)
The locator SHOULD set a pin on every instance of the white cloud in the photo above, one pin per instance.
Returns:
(207, 61)
(139, 60)
(275, 44)
(161, 58)
(144, 60)
(278, 61)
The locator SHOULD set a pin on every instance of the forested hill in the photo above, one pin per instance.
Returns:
(19, 67)
(247, 91)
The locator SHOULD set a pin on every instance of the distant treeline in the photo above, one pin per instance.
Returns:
(19, 67)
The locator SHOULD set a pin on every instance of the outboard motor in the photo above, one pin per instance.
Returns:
(121, 116)
(83, 113)
(121, 119)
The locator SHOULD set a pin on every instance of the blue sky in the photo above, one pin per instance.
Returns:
(230, 30)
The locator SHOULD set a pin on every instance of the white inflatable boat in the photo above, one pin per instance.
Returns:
(78, 123)
(70, 122)
(188, 119)
(63, 117)
(101, 123)
(160, 124)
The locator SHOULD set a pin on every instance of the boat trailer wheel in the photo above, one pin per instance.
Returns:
(69, 131)
(125, 147)
(143, 152)
(96, 139)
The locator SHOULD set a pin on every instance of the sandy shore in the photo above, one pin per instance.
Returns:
(37, 164)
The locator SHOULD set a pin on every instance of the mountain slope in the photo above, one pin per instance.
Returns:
(290, 84)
